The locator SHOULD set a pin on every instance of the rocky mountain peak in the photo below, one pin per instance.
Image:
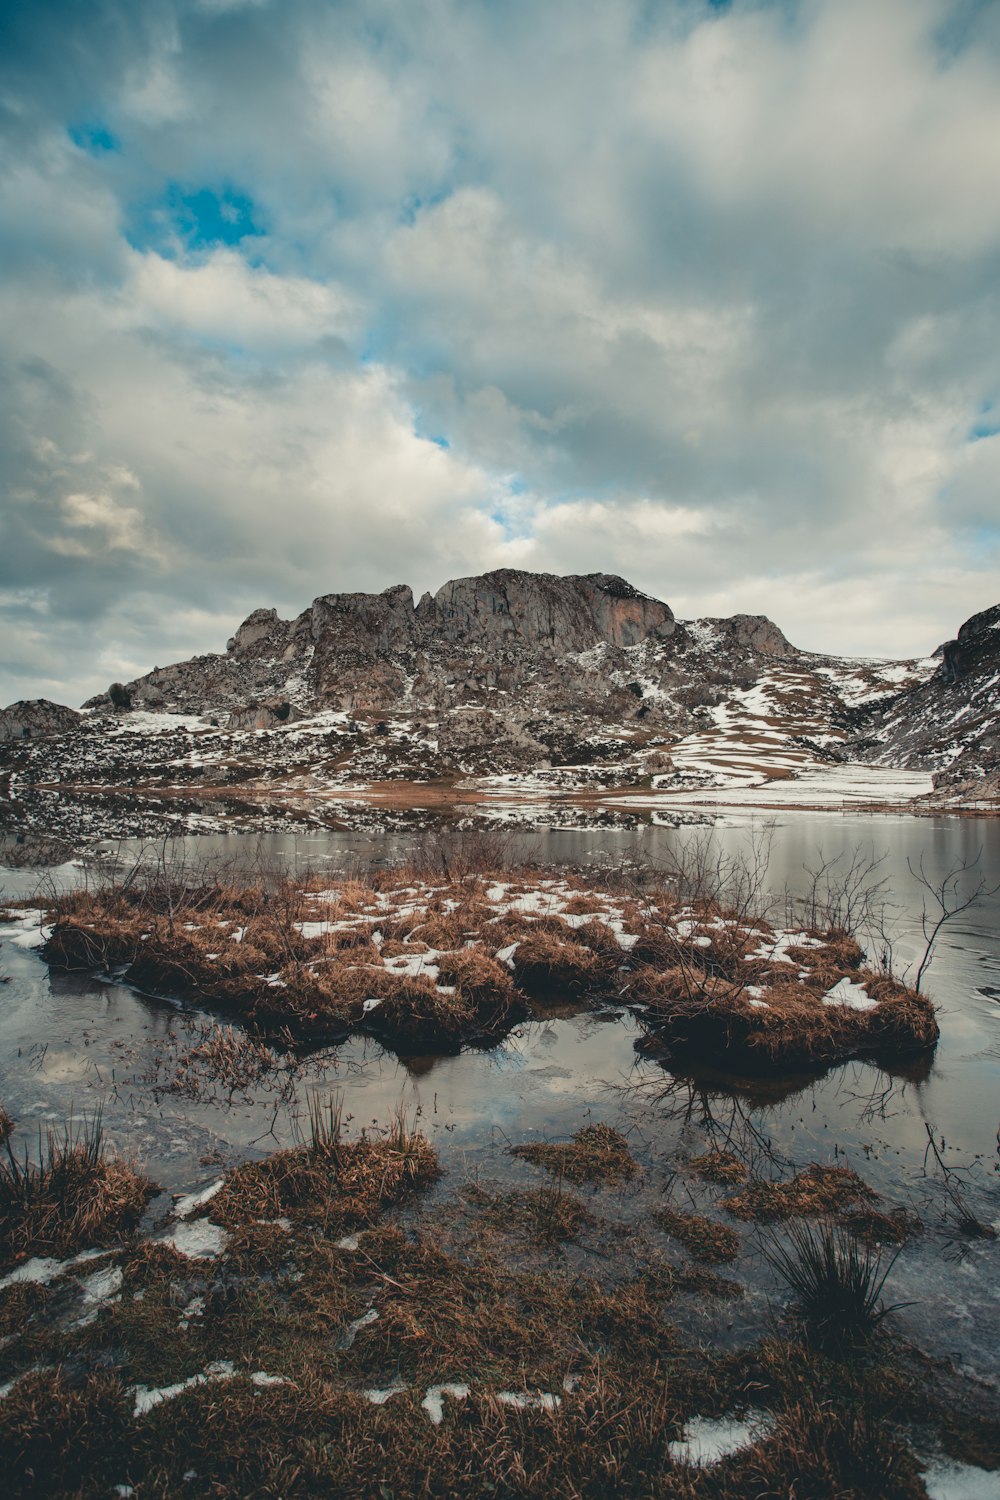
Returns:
(554, 614)
(976, 647)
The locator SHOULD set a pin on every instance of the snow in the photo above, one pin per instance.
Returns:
(31, 930)
(101, 1289)
(854, 996)
(947, 1479)
(775, 949)
(353, 1329)
(528, 1401)
(380, 1397)
(146, 1397)
(42, 1269)
(834, 786)
(709, 1439)
(197, 1239)
(413, 966)
(144, 721)
(186, 1205)
(433, 1403)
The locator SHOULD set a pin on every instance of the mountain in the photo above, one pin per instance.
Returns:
(948, 724)
(501, 688)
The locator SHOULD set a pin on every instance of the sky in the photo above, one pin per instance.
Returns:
(309, 296)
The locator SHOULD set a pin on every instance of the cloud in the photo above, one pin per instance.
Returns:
(300, 298)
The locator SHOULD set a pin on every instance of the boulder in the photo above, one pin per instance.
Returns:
(36, 718)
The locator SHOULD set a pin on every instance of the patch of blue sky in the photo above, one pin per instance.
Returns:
(427, 435)
(94, 137)
(505, 523)
(985, 426)
(197, 219)
(958, 28)
(414, 205)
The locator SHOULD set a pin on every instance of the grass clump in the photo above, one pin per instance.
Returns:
(549, 1214)
(822, 1449)
(329, 1183)
(597, 1153)
(413, 960)
(721, 1167)
(63, 1436)
(6, 1124)
(550, 965)
(836, 1280)
(75, 1196)
(817, 1190)
(703, 1238)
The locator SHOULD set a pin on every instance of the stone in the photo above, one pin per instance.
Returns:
(36, 718)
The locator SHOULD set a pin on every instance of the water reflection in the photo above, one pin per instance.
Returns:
(68, 1043)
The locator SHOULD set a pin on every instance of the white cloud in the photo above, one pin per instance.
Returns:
(221, 298)
(705, 297)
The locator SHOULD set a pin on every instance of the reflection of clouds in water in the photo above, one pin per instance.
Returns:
(63, 1066)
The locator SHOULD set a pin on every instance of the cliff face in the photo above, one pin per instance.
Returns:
(949, 724)
(545, 613)
(36, 718)
(474, 637)
(561, 684)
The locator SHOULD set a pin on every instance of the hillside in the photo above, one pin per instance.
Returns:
(499, 693)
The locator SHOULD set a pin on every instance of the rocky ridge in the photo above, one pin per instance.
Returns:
(949, 723)
(504, 687)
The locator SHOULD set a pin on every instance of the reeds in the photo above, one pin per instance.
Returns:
(836, 1280)
(73, 1195)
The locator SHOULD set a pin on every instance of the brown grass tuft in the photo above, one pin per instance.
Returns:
(596, 1154)
(73, 1197)
(330, 1183)
(550, 967)
(705, 1239)
(817, 1190)
(722, 1167)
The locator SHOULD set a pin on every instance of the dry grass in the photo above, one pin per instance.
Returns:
(547, 965)
(705, 1239)
(329, 1183)
(622, 1380)
(595, 1154)
(6, 1124)
(706, 981)
(73, 1197)
(722, 1167)
(233, 1060)
(549, 1214)
(792, 1027)
(816, 1191)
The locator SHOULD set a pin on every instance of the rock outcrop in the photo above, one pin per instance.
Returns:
(505, 681)
(949, 724)
(36, 718)
(474, 637)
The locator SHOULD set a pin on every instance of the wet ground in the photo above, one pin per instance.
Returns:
(69, 1044)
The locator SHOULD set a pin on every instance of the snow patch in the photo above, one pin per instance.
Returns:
(433, 1402)
(854, 996)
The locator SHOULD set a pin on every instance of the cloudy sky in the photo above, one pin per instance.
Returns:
(300, 296)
